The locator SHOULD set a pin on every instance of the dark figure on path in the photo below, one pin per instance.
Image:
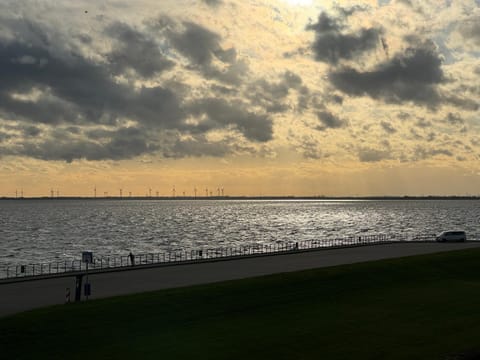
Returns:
(132, 258)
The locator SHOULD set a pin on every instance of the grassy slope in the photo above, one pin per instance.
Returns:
(417, 308)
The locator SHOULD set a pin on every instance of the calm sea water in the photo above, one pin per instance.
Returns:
(49, 230)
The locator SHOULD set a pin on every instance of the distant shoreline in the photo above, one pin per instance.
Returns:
(159, 198)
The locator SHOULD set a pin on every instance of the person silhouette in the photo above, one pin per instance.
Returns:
(132, 258)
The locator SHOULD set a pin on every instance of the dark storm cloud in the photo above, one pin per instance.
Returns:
(222, 113)
(74, 85)
(329, 121)
(53, 83)
(462, 102)
(60, 145)
(4, 136)
(224, 90)
(198, 146)
(332, 45)
(135, 50)
(412, 76)
(325, 24)
(156, 107)
(77, 90)
(197, 43)
(271, 95)
(46, 110)
(202, 47)
(85, 38)
(27, 131)
(30, 131)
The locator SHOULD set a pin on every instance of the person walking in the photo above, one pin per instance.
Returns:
(132, 259)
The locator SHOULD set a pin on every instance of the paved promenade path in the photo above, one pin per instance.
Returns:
(21, 296)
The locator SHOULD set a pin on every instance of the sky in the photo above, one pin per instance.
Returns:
(256, 97)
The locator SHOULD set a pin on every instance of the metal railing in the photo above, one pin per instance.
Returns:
(198, 255)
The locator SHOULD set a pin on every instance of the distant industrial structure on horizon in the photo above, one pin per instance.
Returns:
(210, 196)
(55, 194)
(218, 192)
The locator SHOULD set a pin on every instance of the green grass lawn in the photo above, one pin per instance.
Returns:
(425, 307)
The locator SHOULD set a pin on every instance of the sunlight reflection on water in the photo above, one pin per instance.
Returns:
(39, 231)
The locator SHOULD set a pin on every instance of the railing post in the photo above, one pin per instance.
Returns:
(78, 287)
(214, 253)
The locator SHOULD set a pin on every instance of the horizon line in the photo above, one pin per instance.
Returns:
(245, 197)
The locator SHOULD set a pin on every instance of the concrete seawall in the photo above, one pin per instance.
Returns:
(26, 295)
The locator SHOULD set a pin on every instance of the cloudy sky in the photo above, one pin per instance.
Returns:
(259, 97)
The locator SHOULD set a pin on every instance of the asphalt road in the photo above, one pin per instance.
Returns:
(22, 296)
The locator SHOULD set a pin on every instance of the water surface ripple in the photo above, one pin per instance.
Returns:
(48, 230)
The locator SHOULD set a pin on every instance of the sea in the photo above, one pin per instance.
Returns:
(40, 231)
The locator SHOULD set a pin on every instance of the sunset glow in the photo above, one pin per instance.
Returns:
(261, 97)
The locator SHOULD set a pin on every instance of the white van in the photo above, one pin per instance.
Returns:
(452, 236)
